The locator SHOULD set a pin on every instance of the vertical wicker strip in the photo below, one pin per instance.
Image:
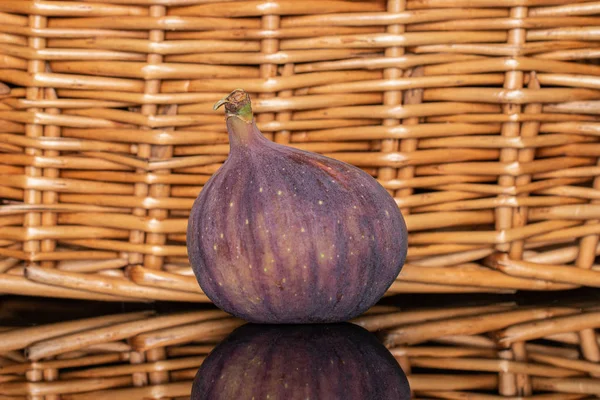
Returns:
(585, 259)
(267, 70)
(35, 376)
(138, 378)
(391, 98)
(411, 96)
(50, 197)
(34, 197)
(156, 190)
(144, 150)
(283, 136)
(528, 129)
(507, 384)
(513, 80)
(33, 220)
(511, 385)
(523, 382)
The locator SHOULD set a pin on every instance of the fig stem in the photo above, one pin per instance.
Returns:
(237, 104)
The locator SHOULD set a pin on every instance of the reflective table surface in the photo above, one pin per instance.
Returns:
(531, 346)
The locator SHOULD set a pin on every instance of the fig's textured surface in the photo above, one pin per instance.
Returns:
(280, 235)
(298, 362)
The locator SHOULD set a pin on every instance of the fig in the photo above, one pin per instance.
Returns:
(282, 235)
(311, 361)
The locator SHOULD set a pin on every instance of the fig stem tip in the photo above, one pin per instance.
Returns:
(219, 104)
(237, 104)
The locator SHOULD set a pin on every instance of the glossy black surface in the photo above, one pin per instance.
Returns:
(302, 356)
(25, 311)
(325, 361)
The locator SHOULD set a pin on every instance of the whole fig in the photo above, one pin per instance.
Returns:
(297, 362)
(281, 235)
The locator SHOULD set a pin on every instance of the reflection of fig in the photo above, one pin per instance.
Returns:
(288, 362)
(280, 235)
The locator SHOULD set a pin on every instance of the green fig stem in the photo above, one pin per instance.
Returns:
(237, 104)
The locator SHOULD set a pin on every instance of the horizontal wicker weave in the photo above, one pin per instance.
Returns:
(485, 351)
(481, 118)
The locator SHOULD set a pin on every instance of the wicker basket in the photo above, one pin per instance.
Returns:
(480, 351)
(481, 118)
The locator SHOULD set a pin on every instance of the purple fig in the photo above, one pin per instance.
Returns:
(297, 362)
(281, 235)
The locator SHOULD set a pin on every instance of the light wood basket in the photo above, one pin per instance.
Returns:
(486, 351)
(480, 117)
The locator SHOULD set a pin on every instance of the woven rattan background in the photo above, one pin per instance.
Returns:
(480, 117)
(487, 351)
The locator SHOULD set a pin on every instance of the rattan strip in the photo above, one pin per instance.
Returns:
(480, 118)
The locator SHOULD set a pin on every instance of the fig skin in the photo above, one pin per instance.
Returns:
(295, 362)
(281, 235)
